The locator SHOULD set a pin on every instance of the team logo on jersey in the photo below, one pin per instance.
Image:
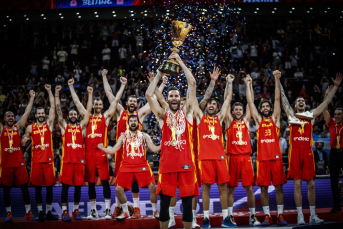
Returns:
(210, 136)
(277, 156)
(236, 143)
(95, 135)
(302, 139)
(49, 158)
(186, 166)
(144, 168)
(21, 163)
(222, 157)
(267, 125)
(267, 140)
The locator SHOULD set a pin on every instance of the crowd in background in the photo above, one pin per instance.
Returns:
(303, 50)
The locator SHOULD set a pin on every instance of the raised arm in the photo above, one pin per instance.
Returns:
(191, 83)
(115, 148)
(285, 104)
(150, 144)
(109, 92)
(214, 76)
(326, 114)
(89, 101)
(23, 119)
(254, 112)
(277, 103)
(27, 135)
(51, 117)
(76, 99)
(85, 119)
(329, 97)
(227, 101)
(61, 122)
(153, 103)
(229, 90)
(158, 93)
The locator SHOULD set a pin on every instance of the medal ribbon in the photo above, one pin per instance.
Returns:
(338, 133)
(211, 127)
(93, 125)
(40, 133)
(10, 137)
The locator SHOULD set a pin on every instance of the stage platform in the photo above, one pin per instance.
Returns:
(241, 218)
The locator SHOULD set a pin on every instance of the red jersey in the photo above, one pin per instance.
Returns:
(233, 145)
(210, 139)
(42, 148)
(268, 144)
(96, 132)
(301, 136)
(72, 147)
(10, 156)
(134, 156)
(336, 132)
(178, 158)
(195, 139)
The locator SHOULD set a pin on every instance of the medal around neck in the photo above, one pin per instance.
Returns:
(180, 30)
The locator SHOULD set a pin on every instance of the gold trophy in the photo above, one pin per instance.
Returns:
(180, 31)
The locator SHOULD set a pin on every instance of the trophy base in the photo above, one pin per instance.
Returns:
(170, 67)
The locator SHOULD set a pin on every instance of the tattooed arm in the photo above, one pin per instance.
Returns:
(285, 104)
(61, 122)
(214, 76)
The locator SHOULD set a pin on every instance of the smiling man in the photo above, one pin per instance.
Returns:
(12, 164)
(42, 161)
(301, 159)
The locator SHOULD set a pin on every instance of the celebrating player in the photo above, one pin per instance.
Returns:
(12, 164)
(42, 161)
(122, 126)
(301, 161)
(73, 154)
(269, 157)
(176, 162)
(134, 165)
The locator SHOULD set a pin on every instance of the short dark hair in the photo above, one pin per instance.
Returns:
(131, 96)
(299, 97)
(173, 88)
(237, 104)
(40, 108)
(132, 116)
(97, 98)
(339, 109)
(214, 99)
(264, 101)
(73, 109)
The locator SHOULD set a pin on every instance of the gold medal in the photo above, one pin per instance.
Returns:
(173, 142)
(42, 147)
(338, 146)
(213, 136)
(240, 141)
(92, 135)
(10, 150)
(133, 148)
(10, 140)
(73, 146)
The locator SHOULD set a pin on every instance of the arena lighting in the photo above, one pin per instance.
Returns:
(42, 15)
(8, 16)
(275, 8)
(96, 15)
(62, 17)
(132, 15)
(328, 8)
(293, 8)
(257, 8)
(24, 15)
(113, 12)
(290, 12)
(325, 11)
(311, 8)
(308, 12)
(79, 16)
(11, 19)
(114, 15)
(77, 13)
(60, 14)
(273, 12)
(95, 12)
(255, 12)
(44, 18)
(27, 19)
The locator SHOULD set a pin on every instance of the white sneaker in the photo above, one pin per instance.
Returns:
(93, 215)
(315, 220)
(194, 223)
(171, 222)
(254, 222)
(108, 214)
(301, 220)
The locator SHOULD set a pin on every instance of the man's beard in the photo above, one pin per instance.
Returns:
(133, 128)
(41, 119)
(268, 114)
(211, 112)
(131, 109)
(72, 120)
(235, 117)
(177, 108)
(8, 123)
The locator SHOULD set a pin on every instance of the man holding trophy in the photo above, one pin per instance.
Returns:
(177, 166)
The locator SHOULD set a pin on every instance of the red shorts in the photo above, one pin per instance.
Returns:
(19, 174)
(168, 182)
(268, 171)
(214, 171)
(96, 161)
(197, 172)
(125, 179)
(72, 174)
(240, 166)
(43, 172)
(301, 163)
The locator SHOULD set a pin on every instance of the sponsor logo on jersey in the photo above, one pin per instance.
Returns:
(267, 140)
(133, 155)
(167, 143)
(77, 145)
(236, 143)
(96, 135)
(302, 139)
(210, 136)
(13, 148)
(46, 146)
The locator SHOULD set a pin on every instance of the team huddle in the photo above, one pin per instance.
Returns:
(192, 151)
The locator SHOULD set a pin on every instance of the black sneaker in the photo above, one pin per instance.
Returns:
(50, 216)
(41, 216)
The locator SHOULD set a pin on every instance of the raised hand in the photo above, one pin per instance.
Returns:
(338, 79)
(32, 93)
(71, 82)
(151, 76)
(248, 80)
(328, 90)
(277, 74)
(104, 72)
(215, 74)
(165, 79)
(230, 78)
(89, 89)
(123, 80)
(58, 88)
(175, 56)
(47, 87)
